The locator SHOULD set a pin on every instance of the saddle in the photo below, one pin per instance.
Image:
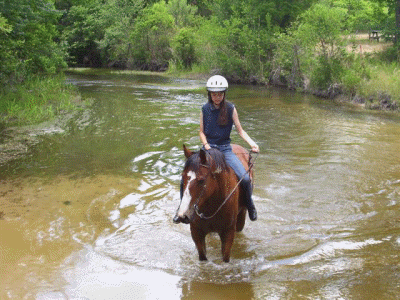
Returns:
(244, 156)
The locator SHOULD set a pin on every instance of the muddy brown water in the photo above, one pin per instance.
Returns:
(86, 211)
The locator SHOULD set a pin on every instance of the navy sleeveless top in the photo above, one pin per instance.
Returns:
(217, 134)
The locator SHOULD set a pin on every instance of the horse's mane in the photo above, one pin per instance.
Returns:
(217, 157)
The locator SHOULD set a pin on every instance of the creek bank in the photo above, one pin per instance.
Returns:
(335, 92)
(379, 101)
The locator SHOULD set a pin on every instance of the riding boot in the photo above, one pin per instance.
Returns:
(246, 184)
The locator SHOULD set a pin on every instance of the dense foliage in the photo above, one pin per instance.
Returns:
(296, 43)
(28, 42)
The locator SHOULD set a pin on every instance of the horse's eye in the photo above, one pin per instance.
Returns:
(201, 181)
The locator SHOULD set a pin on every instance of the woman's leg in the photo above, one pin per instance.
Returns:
(237, 166)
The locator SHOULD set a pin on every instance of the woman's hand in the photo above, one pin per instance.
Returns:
(255, 148)
(207, 146)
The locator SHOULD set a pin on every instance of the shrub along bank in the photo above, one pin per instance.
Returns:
(36, 100)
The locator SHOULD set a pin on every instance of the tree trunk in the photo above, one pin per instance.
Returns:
(397, 36)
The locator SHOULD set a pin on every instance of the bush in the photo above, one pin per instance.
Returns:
(37, 99)
(184, 48)
(234, 48)
(390, 54)
(313, 47)
(351, 81)
(326, 72)
(27, 40)
(151, 36)
(385, 78)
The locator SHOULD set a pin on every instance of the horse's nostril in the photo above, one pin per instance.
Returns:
(185, 220)
(176, 219)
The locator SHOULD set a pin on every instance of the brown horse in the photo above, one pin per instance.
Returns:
(211, 198)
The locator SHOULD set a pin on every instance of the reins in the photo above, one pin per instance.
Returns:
(196, 207)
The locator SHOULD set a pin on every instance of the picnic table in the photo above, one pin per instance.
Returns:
(374, 35)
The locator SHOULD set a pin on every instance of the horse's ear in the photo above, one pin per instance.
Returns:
(187, 152)
(203, 157)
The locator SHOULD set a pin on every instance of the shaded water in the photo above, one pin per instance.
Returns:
(87, 213)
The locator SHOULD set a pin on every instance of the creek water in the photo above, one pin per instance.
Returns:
(87, 212)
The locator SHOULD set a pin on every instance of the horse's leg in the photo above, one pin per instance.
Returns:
(226, 243)
(241, 219)
(199, 238)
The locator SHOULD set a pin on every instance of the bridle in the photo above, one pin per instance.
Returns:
(196, 207)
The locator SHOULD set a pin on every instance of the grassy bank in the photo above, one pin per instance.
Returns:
(379, 85)
(353, 69)
(37, 100)
(382, 89)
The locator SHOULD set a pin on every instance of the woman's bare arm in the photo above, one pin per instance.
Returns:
(203, 137)
(243, 134)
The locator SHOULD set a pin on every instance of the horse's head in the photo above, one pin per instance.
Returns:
(199, 181)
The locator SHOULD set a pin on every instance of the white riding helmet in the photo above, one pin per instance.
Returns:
(217, 83)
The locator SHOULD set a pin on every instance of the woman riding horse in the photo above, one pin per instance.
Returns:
(216, 121)
(210, 198)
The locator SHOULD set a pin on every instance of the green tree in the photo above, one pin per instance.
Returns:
(183, 13)
(98, 32)
(237, 39)
(81, 30)
(314, 47)
(117, 19)
(233, 48)
(281, 13)
(321, 31)
(4, 26)
(28, 40)
(362, 15)
(394, 16)
(394, 6)
(184, 48)
(183, 42)
(152, 35)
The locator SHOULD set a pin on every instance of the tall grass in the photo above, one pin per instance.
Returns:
(37, 100)
(385, 78)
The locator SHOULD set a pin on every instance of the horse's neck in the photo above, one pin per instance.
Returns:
(228, 183)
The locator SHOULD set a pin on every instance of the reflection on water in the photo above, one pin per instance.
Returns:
(87, 212)
(92, 276)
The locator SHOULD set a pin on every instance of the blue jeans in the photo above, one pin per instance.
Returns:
(234, 162)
